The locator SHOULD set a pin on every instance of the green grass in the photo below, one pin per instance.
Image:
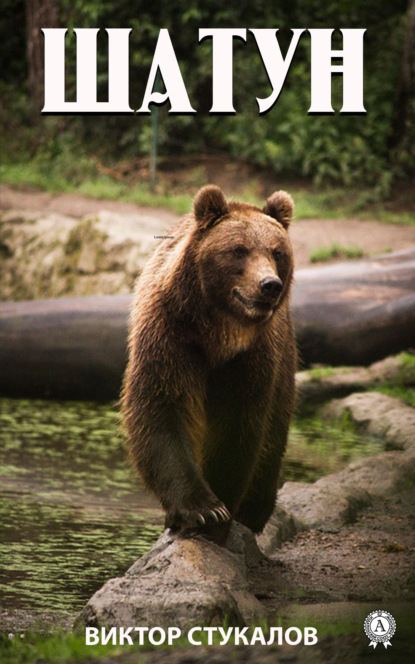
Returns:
(27, 175)
(402, 384)
(101, 186)
(335, 250)
(406, 394)
(80, 175)
(57, 648)
(341, 203)
(314, 204)
(109, 189)
(69, 647)
(318, 373)
(406, 374)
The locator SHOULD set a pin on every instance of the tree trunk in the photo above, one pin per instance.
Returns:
(39, 14)
(405, 100)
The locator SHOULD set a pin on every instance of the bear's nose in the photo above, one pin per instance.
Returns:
(271, 287)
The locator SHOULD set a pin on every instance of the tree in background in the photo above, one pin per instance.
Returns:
(39, 13)
(370, 149)
(403, 126)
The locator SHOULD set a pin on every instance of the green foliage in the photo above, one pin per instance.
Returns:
(406, 394)
(338, 149)
(335, 250)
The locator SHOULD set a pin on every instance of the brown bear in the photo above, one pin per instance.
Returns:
(209, 388)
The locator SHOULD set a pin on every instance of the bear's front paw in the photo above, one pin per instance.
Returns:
(180, 517)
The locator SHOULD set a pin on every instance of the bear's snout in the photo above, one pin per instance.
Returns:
(270, 287)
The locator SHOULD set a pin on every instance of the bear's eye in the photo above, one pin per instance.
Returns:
(240, 252)
(276, 254)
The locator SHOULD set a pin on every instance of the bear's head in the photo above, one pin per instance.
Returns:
(244, 254)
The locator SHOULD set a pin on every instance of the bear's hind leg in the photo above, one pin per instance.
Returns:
(259, 501)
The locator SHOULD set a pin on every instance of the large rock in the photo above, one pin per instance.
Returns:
(379, 476)
(377, 415)
(336, 500)
(51, 255)
(182, 581)
(322, 383)
(323, 505)
(282, 526)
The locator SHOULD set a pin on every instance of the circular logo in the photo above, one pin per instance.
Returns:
(379, 627)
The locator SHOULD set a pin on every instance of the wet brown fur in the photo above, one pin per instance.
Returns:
(209, 388)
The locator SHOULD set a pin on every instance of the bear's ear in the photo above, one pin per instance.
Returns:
(209, 204)
(280, 205)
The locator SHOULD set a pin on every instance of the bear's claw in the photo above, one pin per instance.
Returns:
(220, 513)
(192, 518)
(224, 513)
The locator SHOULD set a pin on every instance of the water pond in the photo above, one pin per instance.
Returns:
(73, 514)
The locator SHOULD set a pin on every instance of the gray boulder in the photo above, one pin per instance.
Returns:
(377, 415)
(183, 581)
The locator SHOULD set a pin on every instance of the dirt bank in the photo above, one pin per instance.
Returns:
(307, 234)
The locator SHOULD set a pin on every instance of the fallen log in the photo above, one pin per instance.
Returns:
(357, 312)
(75, 348)
(68, 348)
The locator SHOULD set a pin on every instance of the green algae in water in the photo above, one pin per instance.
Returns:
(57, 556)
(73, 448)
(73, 514)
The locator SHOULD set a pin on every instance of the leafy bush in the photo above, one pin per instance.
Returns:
(338, 149)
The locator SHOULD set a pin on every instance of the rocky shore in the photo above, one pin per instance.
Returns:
(346, 537)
